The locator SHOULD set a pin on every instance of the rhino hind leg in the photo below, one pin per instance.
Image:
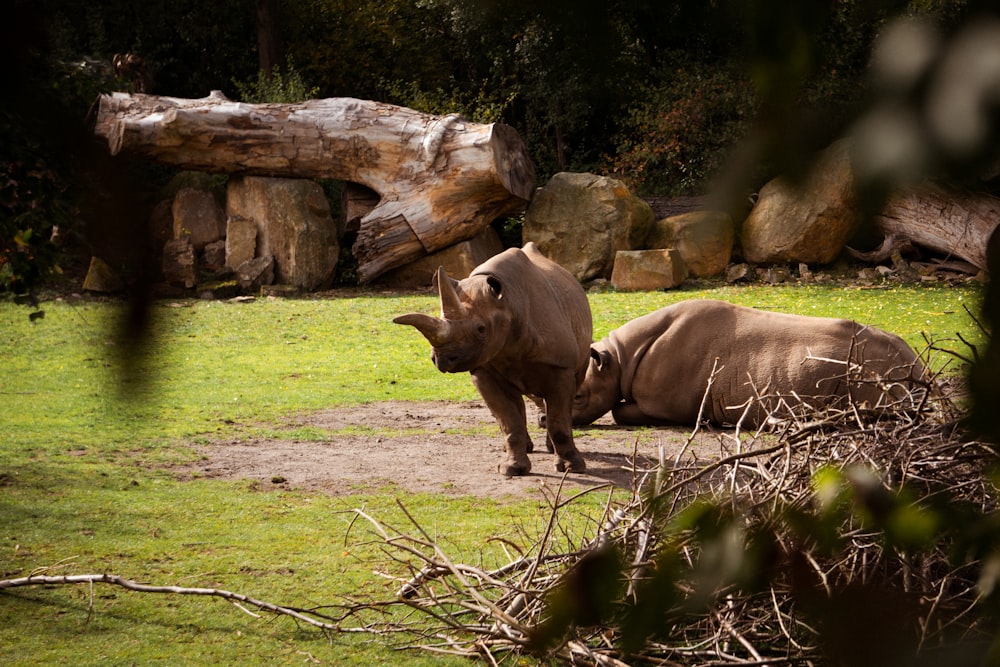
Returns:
(568, 457)
(559, 431)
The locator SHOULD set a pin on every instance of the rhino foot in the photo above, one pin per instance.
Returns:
(575, 464)
(514, 469)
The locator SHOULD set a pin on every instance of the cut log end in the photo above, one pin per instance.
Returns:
(513, 166)
(954, 222)
(440, 179)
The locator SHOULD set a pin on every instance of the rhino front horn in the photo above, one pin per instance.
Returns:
(435, 330)
(451, 305)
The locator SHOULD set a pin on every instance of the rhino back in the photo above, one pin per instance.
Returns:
(551, 315)
(668, 355)
(746, 352)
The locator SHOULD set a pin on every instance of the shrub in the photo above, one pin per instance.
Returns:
(276, 86)
(677, 135)
(41, 169)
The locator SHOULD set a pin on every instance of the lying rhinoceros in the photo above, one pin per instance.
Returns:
(521, 325)
(656, 369)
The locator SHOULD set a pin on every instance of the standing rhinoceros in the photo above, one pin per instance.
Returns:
(656, 368)
(521, 325)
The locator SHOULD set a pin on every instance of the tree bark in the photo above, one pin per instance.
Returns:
(440, 179)
(956, 223)
(269, 51)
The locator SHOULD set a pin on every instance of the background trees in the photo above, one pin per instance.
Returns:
(658, 93)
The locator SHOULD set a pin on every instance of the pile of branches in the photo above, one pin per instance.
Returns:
(826, 537)
(838, 536)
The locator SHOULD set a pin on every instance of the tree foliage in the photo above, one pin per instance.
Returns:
(658, 93)
(279, 85)
(677, 136)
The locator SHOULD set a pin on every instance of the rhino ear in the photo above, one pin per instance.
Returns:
(496, 287)
(600, 357)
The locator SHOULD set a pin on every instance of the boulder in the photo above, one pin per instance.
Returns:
(178, 262)
(161, 223)
(704, 240)
(646, 270)
(294, 226)
(356, 201)
(740, 273)
(458, 260)
(101, 277)
(198, 216)
(809, 222)
(255, 273)
(213, 257)
(581, 221)
(241, 240)
(776, 275)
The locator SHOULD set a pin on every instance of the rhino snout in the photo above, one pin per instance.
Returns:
(448, 363)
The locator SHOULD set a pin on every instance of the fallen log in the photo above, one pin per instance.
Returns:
(440, 179)
(956, 223)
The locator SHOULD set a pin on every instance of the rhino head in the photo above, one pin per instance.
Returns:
(600, 390)
(474, 324)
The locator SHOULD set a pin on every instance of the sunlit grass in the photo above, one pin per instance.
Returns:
(87, 431)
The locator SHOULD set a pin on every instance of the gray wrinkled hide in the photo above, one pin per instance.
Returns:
(521, 325)
(656, 368)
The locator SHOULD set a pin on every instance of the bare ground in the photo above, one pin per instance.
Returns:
(432, 447)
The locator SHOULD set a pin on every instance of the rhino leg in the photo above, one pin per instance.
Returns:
(540, 403)
(559, 427)
(507, 406)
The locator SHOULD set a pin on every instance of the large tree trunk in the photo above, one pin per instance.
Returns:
(269, 51)
(440, 179)
(952, 222)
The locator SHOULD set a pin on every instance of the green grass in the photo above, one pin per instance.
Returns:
(86, 431)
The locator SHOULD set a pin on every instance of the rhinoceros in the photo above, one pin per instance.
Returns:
(521, 325)
(656, 369)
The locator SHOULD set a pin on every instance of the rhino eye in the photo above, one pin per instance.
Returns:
(481, 329)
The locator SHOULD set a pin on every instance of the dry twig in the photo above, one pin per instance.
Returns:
(446, 606)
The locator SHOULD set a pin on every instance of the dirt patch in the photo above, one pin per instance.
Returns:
(432, 447)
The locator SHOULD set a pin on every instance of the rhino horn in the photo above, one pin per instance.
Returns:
(434, 329)
(451, 305)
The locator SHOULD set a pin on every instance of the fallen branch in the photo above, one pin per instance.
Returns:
(237, 599)
(496, 611)
(440, 179)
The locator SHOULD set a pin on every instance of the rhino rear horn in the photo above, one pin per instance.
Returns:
(451, 305)
(435, 330)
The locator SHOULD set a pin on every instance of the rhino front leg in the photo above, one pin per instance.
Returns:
(559, 427)
(507, 406)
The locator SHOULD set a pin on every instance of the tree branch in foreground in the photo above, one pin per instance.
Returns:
(238, 599)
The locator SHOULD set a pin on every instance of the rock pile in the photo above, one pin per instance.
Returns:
(255, 232)
(259, 231)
